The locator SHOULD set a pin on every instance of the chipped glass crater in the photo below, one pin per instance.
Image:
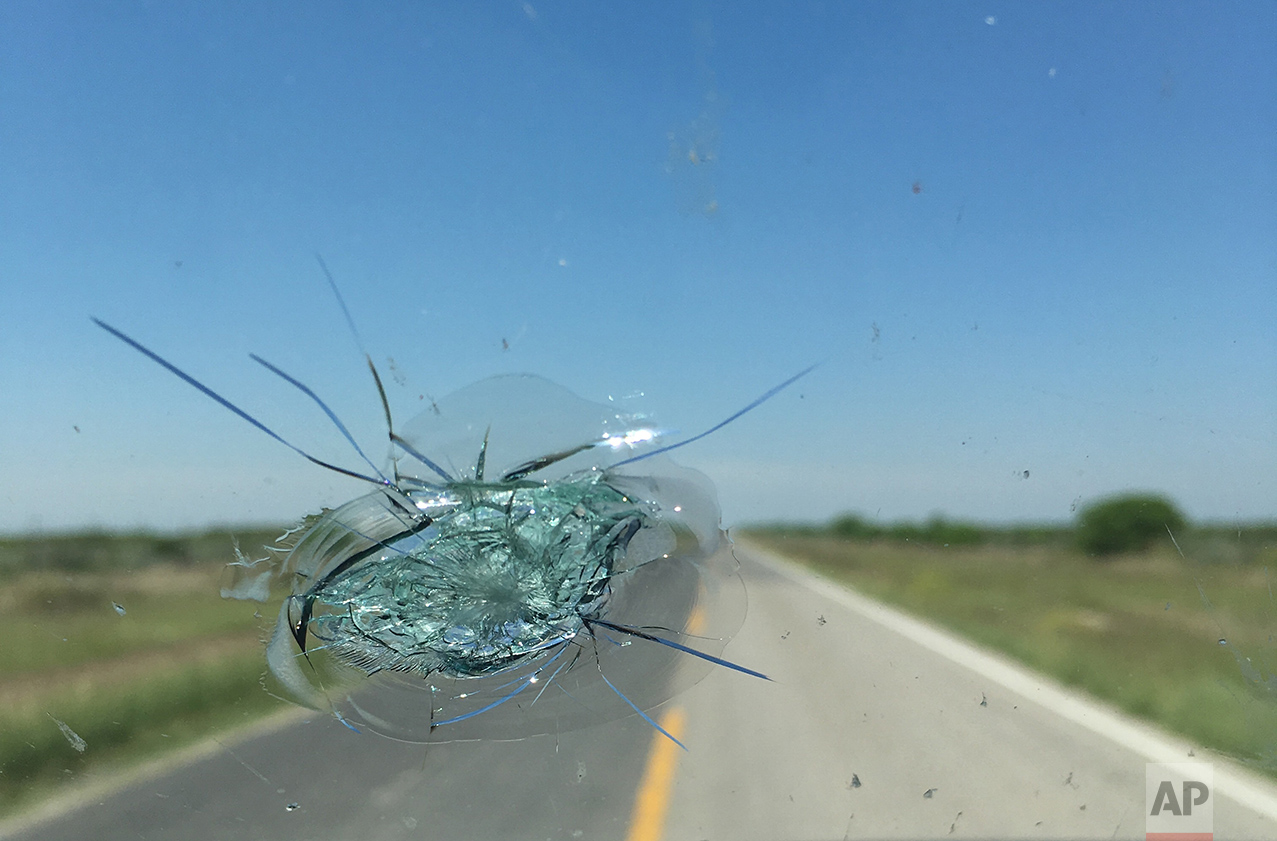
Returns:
(529, 563)
(518, 577)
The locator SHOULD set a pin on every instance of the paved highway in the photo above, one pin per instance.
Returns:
(875, 726)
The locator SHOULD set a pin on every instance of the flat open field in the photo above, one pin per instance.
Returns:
(1187, 645)
(126, 643)
(180, 663)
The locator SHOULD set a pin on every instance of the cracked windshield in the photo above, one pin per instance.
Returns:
(687, 421)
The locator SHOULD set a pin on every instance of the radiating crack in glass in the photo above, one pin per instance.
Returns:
(529, 563)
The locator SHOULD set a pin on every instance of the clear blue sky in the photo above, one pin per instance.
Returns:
(1021, 237)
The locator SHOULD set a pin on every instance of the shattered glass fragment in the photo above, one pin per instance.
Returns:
(71, 736)
(529, 563)
(248, 580)
(475, 607)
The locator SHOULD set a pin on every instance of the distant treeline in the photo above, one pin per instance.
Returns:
(101, 551)
(1109, 527)
(937, 530)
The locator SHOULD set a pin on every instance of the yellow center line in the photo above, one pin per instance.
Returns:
(653, 799)
(652, 802)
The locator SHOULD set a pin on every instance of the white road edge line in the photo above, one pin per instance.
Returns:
(1238, 784)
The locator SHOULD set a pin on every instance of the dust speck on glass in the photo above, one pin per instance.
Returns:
(529, 562)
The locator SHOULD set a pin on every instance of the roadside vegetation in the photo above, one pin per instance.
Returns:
(119, 648)
(1173, 625)
(122, 645)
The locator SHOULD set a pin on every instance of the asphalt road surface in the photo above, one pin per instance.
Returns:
(875, 726)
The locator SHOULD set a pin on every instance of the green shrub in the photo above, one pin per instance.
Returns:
(854, 527)
(937, 530)
(1126, 523)
(944, 532)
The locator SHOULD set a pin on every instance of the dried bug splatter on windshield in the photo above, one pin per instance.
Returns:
(527, 562)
